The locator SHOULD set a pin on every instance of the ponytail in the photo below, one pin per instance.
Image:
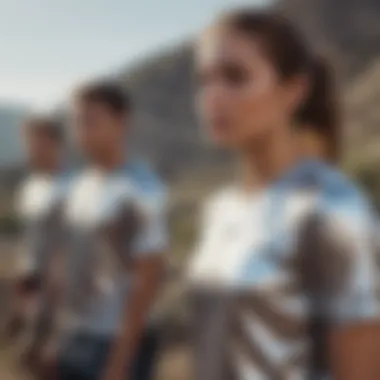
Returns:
(320, 111)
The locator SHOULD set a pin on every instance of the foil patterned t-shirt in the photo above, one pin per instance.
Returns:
(274, 272)
(112, 219)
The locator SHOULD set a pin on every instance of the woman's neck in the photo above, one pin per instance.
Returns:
(266, 160)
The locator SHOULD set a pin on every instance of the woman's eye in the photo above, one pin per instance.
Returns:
(234, 75)
(227, 74)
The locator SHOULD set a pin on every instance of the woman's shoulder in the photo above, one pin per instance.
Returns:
(342, 194)
(342, 207)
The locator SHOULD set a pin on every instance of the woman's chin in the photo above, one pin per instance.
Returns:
(224, 141)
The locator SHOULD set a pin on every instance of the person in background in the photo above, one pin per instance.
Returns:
(283, 277)
(38, 204)
(115, 221)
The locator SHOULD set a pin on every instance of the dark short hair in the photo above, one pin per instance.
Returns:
(45, 125)
(110, 93)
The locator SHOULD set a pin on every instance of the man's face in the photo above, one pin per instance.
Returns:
(98, 128)
(42, 149)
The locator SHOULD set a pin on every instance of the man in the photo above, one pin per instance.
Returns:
(38, 203)
(115, 218)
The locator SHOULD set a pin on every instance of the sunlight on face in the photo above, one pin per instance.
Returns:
(241, 98)
(97, 128)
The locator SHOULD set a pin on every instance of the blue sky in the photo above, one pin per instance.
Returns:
(46, 46)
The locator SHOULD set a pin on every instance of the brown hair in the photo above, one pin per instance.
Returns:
(291, 56)
(111, 94)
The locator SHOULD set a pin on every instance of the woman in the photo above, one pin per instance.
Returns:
(282, 278)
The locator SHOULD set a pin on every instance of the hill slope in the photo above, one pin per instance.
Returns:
(348, 28)
(166, 126)
(10, 146)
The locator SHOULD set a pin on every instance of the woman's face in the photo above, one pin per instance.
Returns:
(240, 96)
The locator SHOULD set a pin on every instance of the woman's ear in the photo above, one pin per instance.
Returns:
(297, 93)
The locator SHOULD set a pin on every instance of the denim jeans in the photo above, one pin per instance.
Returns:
(85, 356)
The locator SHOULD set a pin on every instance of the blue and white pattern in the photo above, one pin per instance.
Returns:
(131, 201)
(39, 203)
(296, 256)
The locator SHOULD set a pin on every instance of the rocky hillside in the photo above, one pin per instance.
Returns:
(363, 111)
(166, 127)
(347, 31)
(10, 147)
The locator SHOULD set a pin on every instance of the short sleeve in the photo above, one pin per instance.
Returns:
(152, 235)
(337, 263)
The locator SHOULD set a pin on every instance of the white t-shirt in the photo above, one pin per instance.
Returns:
(38, 199)
(233, 221)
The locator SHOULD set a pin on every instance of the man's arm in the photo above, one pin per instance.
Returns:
(143, 245)
(148, 274)
(48, 269)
